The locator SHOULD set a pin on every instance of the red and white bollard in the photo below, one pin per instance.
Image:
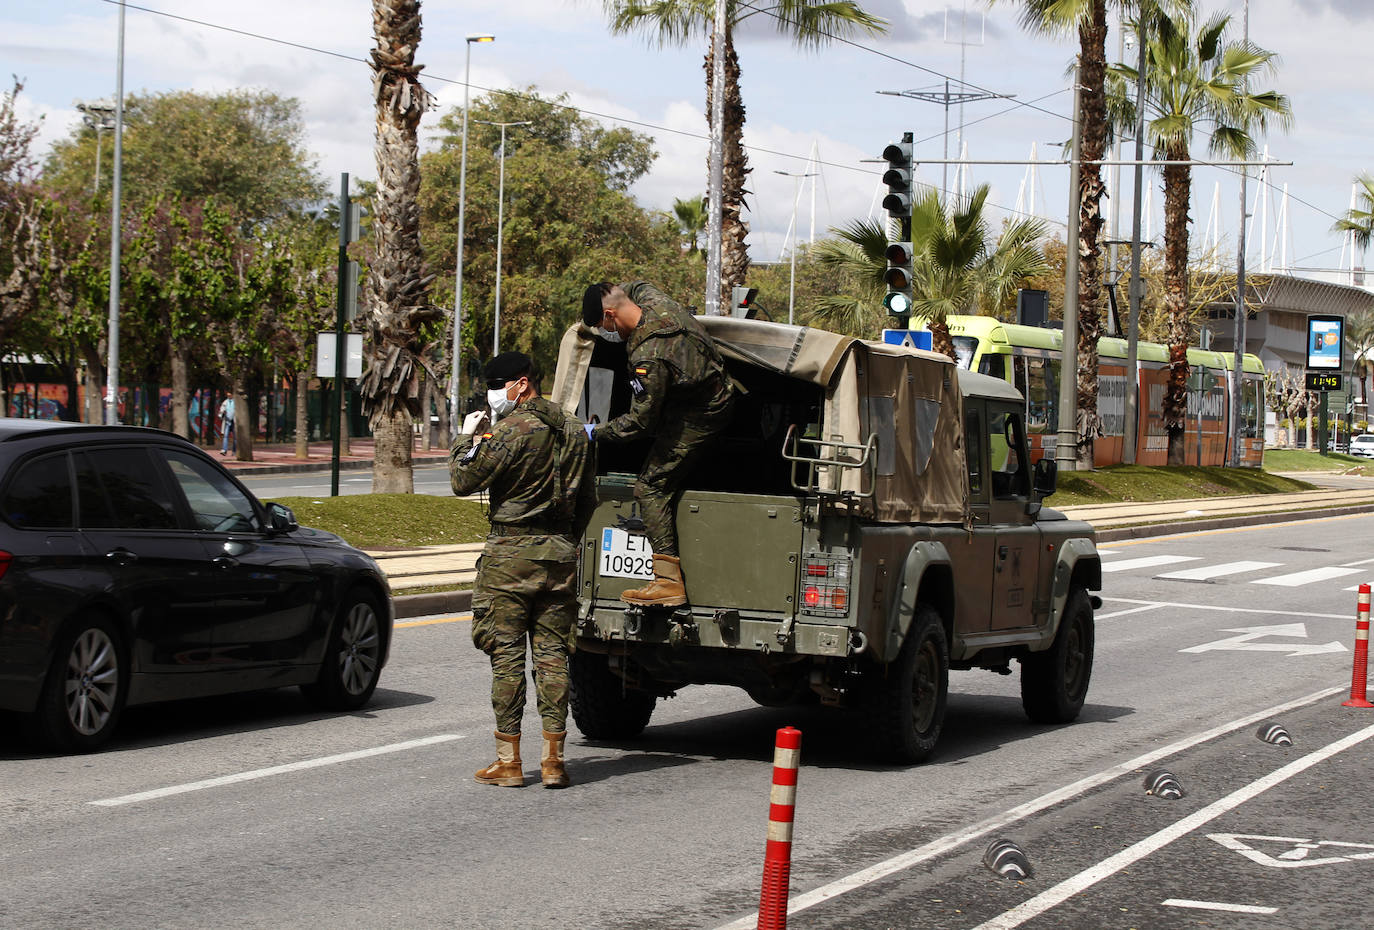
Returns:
(1358, 676)
(777, 860)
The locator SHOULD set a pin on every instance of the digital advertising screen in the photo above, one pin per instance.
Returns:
(1324, 342)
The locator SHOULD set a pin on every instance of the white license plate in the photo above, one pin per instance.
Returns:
(626, 555)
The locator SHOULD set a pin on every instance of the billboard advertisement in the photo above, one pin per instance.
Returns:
(1325, 342)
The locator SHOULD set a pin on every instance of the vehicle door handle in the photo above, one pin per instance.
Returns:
(225, 561)
(121, 556)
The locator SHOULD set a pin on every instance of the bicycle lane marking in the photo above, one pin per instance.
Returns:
(952, 841)
(1132, 854)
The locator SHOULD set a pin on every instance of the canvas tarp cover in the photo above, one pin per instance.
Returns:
(908, 398)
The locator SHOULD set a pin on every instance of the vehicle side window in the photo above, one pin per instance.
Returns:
(121, 488)
(39, 496)
(973, 429)
(1007, 455)
(216, 502)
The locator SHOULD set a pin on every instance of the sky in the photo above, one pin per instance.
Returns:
(824, 103)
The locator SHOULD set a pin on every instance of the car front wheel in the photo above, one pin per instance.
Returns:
(85, 688)
(353, 661)
(1054, 683)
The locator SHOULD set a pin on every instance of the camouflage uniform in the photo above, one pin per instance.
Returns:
(532, 464)
(681, 396)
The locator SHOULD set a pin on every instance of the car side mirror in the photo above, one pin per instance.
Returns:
(281, 518)
(1046, 476)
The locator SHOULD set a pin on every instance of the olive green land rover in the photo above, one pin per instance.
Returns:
(869, 520)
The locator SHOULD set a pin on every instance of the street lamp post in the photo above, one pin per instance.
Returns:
(792, 279)
(500, 226)
(112, 368)
(99, 115)
(454, 374)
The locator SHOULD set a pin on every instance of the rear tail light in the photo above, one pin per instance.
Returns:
(5, 559)
(825, 585)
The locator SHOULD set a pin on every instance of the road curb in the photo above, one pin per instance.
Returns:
(406, 606)
(1144, 531)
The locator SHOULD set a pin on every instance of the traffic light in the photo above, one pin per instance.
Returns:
(897, 177)
(898, 279)
(742, 301)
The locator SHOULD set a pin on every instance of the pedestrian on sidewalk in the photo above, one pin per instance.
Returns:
(226, 426)
(534, 465)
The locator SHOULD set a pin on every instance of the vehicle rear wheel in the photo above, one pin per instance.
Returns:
(602, 706)
(85, 688)
(1054, 683)
(353, 660)
(907, 700)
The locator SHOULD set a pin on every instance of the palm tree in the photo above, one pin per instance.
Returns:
(1359, 336)
(810, 24)
(690, 215)
(960, 268)
(1194, 80)
(856, 260)
(397, 287)
(1359, 219)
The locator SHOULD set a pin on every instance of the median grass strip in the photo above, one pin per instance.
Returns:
(1144, 483)
(1303, 460)
(393, 521)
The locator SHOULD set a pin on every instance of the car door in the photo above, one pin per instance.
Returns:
(157, 570)
(1016, 537)
(266, 596)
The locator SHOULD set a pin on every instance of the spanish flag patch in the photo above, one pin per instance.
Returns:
(641, 370)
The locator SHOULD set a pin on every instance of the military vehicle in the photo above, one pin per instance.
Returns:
(869, 520)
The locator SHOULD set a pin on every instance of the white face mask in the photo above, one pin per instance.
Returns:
(610, 335)
(499, 403)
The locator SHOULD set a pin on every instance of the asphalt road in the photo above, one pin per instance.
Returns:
(255, 812)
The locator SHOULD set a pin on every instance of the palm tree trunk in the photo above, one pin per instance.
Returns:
(1092, 37)
(397, 286)
(940, 339)
(734, 256)
(1177, 187)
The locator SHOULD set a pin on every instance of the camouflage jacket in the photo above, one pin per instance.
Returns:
(534, 465)
(676, 371)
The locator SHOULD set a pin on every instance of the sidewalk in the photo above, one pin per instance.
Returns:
(276, 458)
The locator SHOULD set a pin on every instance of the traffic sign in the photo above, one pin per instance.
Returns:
(911, 338)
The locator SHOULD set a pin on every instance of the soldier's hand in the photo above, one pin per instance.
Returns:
(472, 423)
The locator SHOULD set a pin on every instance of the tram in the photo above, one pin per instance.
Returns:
(1029, 359)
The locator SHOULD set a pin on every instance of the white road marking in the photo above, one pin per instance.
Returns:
(1218, 906)
(1122, 613)
(952, 841)
(1311, 576)
(1108, 551)
(1296, 855)
(1216, 571)
(1228, 610)
(275, 770)
(1147, 561)
(1058, 894)
(1357, 564)
(1244, 641)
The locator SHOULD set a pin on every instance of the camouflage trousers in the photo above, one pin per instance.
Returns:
(678, 446)
(519, 601)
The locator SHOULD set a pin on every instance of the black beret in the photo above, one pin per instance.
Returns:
(508, 366)
(591, 303)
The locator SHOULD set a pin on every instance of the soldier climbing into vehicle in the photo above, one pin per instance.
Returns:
(681, 396)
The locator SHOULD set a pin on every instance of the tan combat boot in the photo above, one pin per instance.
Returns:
(665, 590)
(506, 770)
(551, 761)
